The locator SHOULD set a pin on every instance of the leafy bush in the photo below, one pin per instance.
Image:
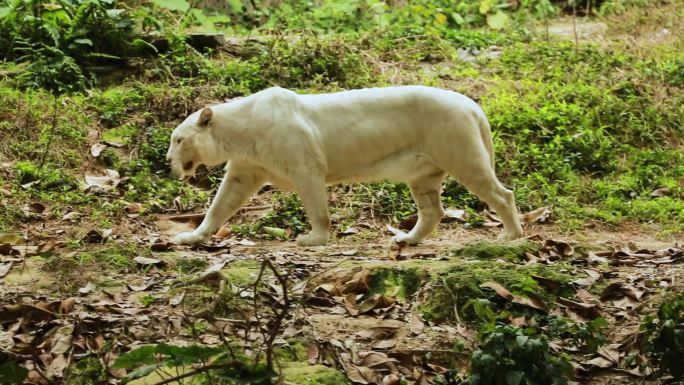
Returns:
(665, 336)
(63, 37)
(508, 355)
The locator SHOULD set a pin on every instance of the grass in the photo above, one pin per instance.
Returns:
(73, 271)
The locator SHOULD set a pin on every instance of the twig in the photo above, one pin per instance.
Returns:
(327, 270)
(454, 297)
(280, 316)
(43, 158)
(203, 369)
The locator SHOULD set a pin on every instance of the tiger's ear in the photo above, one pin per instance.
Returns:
(205, 117)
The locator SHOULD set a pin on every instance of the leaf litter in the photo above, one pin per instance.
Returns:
(377, 338)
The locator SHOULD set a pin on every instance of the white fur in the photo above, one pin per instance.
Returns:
(410, 134)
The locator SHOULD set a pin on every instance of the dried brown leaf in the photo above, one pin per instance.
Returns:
(177, 299)
(66, 306)
(416, 324)
(549, 283)
(499, 289)
(619, 289)
(107, 182)
(661, 192)
(598, 362)
(384, 344)
(538, 215)
(96, 149)
(457, 214)
(5, 268)
(62, 340)
(585, 311)
(532, 302)
(89, 287)
(377, 301)
(350, 304)
(146, 261)
(408, 223)
(357, 284)
(47, 246)
(391, 379)
(379, 360)
(378, 332)
(312, 354)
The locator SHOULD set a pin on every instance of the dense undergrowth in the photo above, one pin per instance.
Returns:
(593, 129)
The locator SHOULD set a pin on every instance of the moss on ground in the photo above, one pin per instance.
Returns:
(460, 283)
(304, 374)
(69, 272)
(242, 272)
(489, 250)
(399, 282)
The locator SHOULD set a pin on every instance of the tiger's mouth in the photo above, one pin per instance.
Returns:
(185, 171)
(187, 166)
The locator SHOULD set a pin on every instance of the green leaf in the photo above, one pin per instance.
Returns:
(84, 42)
(115, 13)
(521, 340)
(498, 20)
(486, 6)
(173, 5)
(236, 6)
(134, 358)
(4, 11)
(12, 373)
(188, 354)
(144, 370)
(513, 377)
(458, 19)
(103, 55)
(141, 45)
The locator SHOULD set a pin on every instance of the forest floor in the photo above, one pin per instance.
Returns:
(373, 310)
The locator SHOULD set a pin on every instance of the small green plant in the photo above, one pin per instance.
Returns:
(60, 40)
(665, 337)
(88, 371)
(11, 373)
(508, 355)
(48, 178)
(218, 363)
(586, 336)
(288, 213)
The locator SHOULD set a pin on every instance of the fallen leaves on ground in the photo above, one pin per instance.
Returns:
(152, 306)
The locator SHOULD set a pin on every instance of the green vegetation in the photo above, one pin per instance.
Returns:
(397, 282)
(487, 250)
(665, 336)
(73, 271)
(509, 355)
(593, 134)
(228, 368)
(460, 285)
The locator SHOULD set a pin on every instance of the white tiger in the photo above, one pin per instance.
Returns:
(411, 134)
